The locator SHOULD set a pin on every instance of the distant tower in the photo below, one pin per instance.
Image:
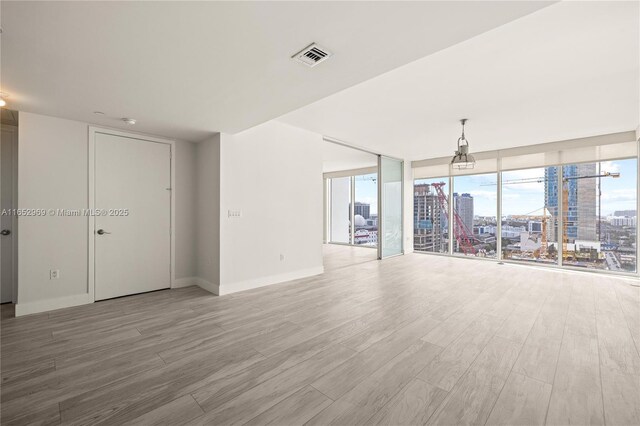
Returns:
(581, 216)
(464, 206)
(362, 209)
(430, 224)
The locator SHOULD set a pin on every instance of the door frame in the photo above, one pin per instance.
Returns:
(93, 130)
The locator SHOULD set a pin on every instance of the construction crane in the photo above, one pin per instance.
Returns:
(565, 203)
(543, 231)
(460, 231)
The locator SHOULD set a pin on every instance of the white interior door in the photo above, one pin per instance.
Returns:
(133, 216)
(8, 221)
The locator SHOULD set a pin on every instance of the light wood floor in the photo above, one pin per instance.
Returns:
(414, 339)
(338, 256)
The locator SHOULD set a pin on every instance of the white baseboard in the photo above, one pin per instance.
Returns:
(210, 287)
(52, 304)
(83, 299)
(269, 280)
(184, 282)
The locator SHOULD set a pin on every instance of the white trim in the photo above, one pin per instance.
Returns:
(351, 172)
(206, 285)
(91, 176)
(265, 281)
(51, 304)
(184, 282)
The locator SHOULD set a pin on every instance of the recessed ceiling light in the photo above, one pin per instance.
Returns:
(98, 112)
(129, 121)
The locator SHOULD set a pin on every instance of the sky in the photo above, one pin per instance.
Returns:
(367, 191)
(528, 198)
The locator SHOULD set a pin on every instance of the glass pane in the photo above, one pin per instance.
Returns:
(599, 219)
(391, 186)
(365, 218)
(340, 210)
(530, 215)
(475, 211)
(430, 218)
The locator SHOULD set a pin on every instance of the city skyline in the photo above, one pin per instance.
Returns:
(528, 198)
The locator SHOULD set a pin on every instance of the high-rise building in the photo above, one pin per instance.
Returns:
(581, 214)
(430, 223)
(464, 206)
(362, 209)
(628, 213)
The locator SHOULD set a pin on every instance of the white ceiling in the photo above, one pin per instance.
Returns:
(187, 69)
(337, 157)
(569, 70)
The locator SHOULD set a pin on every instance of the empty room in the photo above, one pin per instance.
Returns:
(319, 212)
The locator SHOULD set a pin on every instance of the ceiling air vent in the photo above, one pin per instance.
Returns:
(312, 55)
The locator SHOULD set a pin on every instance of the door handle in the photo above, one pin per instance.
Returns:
(102, 232)
(5, 232)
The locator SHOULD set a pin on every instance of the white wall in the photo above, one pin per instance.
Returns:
(186, 179)
(272, 173)
(52, 174)
(207, 205)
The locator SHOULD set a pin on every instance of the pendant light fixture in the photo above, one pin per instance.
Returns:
(462, 159)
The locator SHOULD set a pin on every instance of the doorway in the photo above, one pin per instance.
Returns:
(351, 206)
(131, 221)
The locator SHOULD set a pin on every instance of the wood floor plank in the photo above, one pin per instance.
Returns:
(348, 375)
(135, 395)
(621, 393)
(523, 401)
(451, 364)
(371, 395)
(473, 397)
(296, 409)
(577, 395)
(260, 398)
(539, 355)
(178, 411)
(617, 347)
(413, 405)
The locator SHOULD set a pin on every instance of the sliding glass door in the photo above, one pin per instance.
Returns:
(390, 195)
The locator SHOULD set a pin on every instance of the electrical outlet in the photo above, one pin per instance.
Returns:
(54, 274)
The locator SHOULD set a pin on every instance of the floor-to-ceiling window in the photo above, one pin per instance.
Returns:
(475, 211)
(530, 215)
(534, 205)
(353, 210)
(599, 215)
(430, 217)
